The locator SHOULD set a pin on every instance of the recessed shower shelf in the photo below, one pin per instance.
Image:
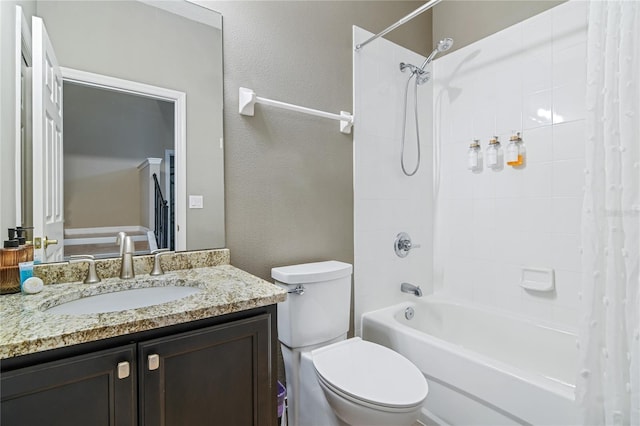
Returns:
(247, 100)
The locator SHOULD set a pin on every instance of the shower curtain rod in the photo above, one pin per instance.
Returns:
(402, 21)
(247, 99)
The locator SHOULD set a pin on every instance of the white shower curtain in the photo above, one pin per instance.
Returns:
(608, 384)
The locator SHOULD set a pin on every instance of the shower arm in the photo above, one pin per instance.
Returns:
(402, 21)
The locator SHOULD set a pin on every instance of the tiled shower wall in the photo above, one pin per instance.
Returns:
(386, 201)
(528, 78)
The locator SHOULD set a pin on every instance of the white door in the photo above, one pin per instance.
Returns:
(48, 207)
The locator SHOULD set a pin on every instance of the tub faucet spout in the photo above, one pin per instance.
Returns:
(412, 289)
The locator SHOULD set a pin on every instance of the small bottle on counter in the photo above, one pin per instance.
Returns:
(494, 154)
(474, 157)
(10, 256)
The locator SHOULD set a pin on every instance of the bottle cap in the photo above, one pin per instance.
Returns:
(475, 143)
(494, 140)
(515, 137)
(11, 243)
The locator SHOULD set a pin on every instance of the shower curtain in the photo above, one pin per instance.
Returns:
(608, 378)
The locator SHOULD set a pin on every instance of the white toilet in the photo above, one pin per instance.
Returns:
(332, 380)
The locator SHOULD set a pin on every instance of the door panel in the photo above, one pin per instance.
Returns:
(48, 207)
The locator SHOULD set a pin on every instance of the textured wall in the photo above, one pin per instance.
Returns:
(288, 177)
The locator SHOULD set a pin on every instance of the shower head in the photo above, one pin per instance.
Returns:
(443, 45)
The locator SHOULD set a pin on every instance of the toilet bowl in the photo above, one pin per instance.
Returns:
(330, 380)
(369, 384)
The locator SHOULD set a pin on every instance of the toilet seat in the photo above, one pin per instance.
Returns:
(371, 375)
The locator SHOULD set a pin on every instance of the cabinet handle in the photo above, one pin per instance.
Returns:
(154, 362)
(123, 370)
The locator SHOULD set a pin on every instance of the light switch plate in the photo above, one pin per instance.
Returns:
(196, 201)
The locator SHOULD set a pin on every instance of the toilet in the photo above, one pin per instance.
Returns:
(332, 380)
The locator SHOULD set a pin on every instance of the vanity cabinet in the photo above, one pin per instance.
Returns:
(222, 374)
(79, 390)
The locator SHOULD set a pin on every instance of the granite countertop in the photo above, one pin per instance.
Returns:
(26, 328)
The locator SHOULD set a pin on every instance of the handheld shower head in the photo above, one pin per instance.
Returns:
(443, 45)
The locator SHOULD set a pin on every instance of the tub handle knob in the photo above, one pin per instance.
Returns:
(403, 244)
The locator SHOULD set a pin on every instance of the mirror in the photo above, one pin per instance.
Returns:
(175, 45)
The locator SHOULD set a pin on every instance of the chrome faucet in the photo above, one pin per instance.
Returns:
(157, 267)
(120, 240)
(411, 289)
(126, 266)
(92, 276)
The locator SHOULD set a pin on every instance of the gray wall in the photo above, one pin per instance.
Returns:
(107, 135)
(289, 177)
(134, 41)
(467, 21)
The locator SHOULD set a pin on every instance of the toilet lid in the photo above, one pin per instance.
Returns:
(371, 373)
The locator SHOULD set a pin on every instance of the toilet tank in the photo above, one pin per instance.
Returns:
(321, 312)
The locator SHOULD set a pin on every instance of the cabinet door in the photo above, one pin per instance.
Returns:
(83, 390)
(218, 375)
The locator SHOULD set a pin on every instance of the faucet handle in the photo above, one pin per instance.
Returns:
(92, 276)
(157, 267)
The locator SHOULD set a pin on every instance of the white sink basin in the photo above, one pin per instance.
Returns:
(123, 300)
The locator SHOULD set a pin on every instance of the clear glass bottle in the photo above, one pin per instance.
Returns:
(515, 151)
(494, 154)
(474, 157)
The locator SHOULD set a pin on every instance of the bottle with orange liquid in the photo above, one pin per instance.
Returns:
(515, 151)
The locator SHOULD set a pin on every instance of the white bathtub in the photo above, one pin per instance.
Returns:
(483, 367)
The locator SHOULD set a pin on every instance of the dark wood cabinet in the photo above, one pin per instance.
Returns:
(214, 376)
(80, 390)
(220, 374)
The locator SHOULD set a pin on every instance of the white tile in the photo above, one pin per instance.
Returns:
(569, 140)
(570, 64)
(568, 286)
(537, 72)
(537, 33)
(508, 183)
(568, 178)
(537, 109)
(508, 214)
(533, 307)
(569, 24)
(509, 99)
(569, 102)
(565, 249)
(484, 211)
(534, 249)
(537, 216)
(538, 144)
(537, 180)
(566, 213)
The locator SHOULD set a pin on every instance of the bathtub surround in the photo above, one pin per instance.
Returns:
(528, 78)
(386, 202)
(609, 381)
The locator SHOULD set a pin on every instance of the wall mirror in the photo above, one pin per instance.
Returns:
(116, 133)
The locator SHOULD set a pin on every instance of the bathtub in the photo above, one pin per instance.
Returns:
(484, 367)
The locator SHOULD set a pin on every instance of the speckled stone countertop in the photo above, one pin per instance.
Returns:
(26, 327)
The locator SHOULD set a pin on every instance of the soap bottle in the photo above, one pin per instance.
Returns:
(515, 151)
(10, 255)
(494, 154)
(474, 157)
